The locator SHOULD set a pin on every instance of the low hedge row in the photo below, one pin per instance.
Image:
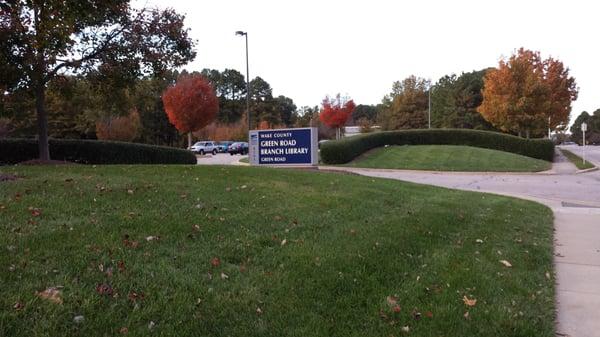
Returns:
(344, 150)
(14, 151)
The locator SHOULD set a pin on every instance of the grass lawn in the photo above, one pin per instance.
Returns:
(577, 160)
(239, 251)
(448, 158)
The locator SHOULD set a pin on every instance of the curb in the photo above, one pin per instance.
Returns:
(595, 168)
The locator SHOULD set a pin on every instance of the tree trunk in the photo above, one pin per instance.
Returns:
(42, 122)
(189, 140)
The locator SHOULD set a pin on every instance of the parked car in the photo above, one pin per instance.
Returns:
(223, 146)
(205, 146)
(238, 148)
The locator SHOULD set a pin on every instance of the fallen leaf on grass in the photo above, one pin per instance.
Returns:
(406, 329)
(18, 306)
(215, 262)
(123, 330)
(392, 300)
(469, 302)
(466, 315)
(104, 289)
(121, 266)
(506, 263)
(479, 241)
(52, 294)
(152, 238)
(134, 296)
(283, 242)
(259, 311)
(396, 308)
(129, 243)
(224, 276)
(429, 314)
(35, 212)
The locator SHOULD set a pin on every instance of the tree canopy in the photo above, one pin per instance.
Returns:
(40, 40)
(527, 94)
(406, 106)
(191, 103)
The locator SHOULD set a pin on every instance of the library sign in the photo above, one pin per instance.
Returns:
(294, 147)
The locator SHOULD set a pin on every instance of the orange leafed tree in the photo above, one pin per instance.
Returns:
(526, 94)
(190, 104)
(335, 112)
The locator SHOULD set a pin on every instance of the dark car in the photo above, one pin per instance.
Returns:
(223, 146)
(238, 148)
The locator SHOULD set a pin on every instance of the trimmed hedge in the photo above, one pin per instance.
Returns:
(15, 150)
(344, 150)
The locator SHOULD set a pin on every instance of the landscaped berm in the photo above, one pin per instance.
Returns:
(448, 158)
(348, 149)
(234, 251)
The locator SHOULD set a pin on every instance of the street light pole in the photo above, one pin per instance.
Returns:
(245, 34)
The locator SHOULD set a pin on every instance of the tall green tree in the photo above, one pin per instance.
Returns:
(454, 101)
(364, 112)
(406, 106)
(230, 87)
(592, 135)
(40, 40)
(286, 109)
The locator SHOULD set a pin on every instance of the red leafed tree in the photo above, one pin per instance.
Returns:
(335, 112)
(190, 104)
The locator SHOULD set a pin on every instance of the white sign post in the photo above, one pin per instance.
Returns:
(583, 129)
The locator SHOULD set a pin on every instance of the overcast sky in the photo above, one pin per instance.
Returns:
(307, 49)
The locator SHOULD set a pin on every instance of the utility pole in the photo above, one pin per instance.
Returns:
(429, 109)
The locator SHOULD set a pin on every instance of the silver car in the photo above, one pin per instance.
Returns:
(205, 146)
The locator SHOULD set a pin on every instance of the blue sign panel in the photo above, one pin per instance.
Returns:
(283, 147)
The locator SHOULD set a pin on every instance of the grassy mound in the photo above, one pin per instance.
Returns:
(448, 158)
(344, 150)
(234, 251)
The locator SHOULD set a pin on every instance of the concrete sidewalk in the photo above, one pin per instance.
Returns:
(575, 201)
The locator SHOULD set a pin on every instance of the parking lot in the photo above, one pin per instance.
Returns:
(219, 159)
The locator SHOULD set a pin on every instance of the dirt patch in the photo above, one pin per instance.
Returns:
(7, 177)
(45, 162)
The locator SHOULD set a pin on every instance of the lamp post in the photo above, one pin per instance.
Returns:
(245, 34)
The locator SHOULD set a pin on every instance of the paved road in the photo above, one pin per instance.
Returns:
(592, 153)
(575, 201)
(219, 159)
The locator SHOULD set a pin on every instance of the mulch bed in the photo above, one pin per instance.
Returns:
(45, 162)
(7, 177)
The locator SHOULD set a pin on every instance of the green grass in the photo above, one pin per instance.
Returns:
(448, 158)
(305, 254)
(577, 160)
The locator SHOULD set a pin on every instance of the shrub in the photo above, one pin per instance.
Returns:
(344, 150)
(121, 128)
(14, 151)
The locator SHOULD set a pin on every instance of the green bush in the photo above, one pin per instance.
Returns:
(344, 150)
(13, 151)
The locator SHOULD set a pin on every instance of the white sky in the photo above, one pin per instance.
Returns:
(307, 49)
